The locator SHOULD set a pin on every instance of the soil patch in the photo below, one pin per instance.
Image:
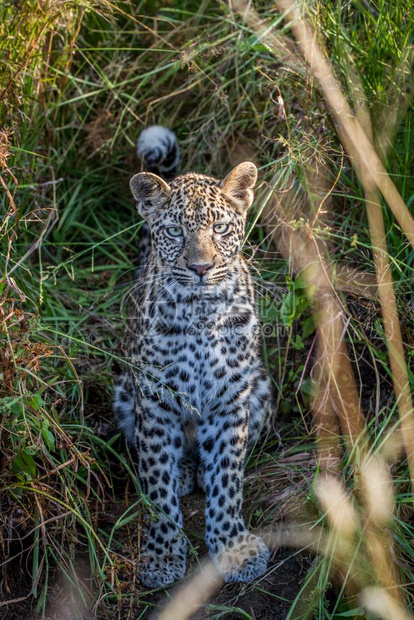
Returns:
(269, 598)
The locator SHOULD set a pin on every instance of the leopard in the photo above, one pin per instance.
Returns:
(195, 395)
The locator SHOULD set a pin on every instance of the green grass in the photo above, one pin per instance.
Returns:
(78, 82)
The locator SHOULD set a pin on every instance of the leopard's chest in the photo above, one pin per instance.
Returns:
(201, 356)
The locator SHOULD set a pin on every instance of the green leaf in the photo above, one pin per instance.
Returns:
(32, 450)
(18, 464)
(297, 343)
(36, 402)
(351, 613)
(308, 387)
(24, 463)
(125, 521)
(308, 327)
(288, 309)
(48, 438)
(9, 405)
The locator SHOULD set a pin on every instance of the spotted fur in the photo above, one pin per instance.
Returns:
(196, 394)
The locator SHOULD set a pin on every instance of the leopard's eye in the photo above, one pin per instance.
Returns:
(220, 229)
(174, 231)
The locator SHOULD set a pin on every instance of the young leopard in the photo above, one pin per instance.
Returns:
(196, 394)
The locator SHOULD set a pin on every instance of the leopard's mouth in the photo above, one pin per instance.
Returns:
(210, 279)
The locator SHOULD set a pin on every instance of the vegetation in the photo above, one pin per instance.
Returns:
(78, 81)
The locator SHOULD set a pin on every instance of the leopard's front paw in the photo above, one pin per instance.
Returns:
(160, 571)
(245, 558)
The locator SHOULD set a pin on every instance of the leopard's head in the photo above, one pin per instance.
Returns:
(197, 222)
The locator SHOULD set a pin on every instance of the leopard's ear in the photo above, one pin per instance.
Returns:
(150, 192)
(238, 185)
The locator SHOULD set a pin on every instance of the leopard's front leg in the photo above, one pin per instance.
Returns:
(159, 448)
(237, 554)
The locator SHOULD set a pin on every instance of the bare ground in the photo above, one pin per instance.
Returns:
(267, 599)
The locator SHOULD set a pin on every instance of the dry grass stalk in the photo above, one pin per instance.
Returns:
(335, 381)
(381, 259)
(325, 418)
(377, 495)
(390, 314)
(363, 156)
(336, 407)
(5, 145)
(399, 100)
(336, 396)
(190, 596)
(378, 602)
(391, 324)
(346, 278)
(280, 487)
(359, 565)
(380, 251)
(337, 506)
(373, 177)
(337, 378)
(355, 281)
(337, 389)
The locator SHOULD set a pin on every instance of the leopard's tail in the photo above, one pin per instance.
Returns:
(159, 152)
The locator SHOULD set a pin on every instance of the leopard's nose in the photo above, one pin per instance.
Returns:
(201, 270)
